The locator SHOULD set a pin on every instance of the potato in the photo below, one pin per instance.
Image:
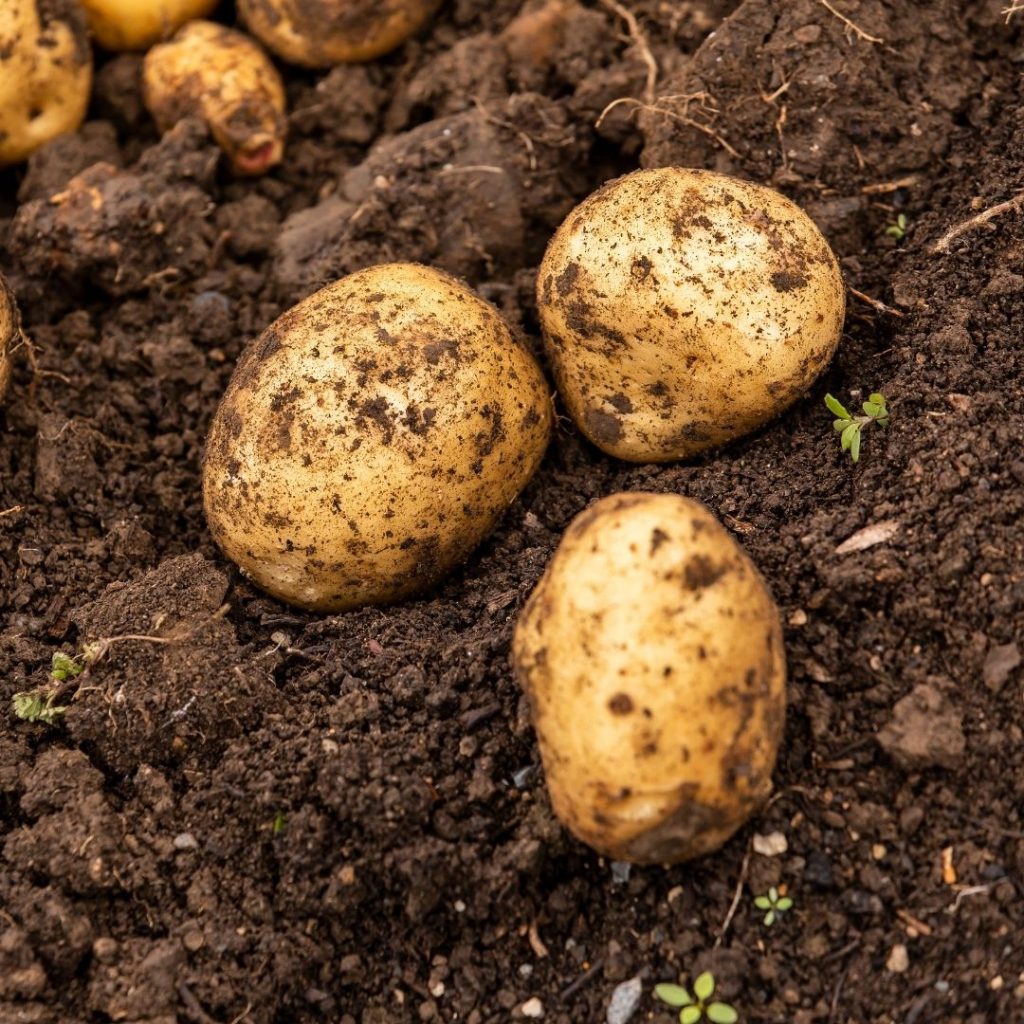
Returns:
(651, 651)
(137, 24)
(317, 35)
(370, 438)
(223, 77)
(10, 332)
(45, 74)
(682, 309)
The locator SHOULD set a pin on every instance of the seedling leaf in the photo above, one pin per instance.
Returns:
(836, 407)
(877, 399)
(784, 904)
(855, 446)
(852, 431)
(690, 1014)
(62, 666)
(673, 995)
(722, 1013)
(763, 903)
(769, 918)
(704, 986)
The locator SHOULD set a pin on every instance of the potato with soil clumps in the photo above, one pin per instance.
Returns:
(137, 24)
(45, 74)
(652, 654)
(10, 331)
(319, 34)
(682, 309)
(370, 438)
(223, 77)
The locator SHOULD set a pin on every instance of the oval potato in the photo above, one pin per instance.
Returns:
(651, 651)
(682, 309)
(370, 438)
(45, 74)
(136, 24)
(326, 32)
(10, 330)
(225, 78)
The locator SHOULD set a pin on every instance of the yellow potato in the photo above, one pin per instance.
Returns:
(45, 74)
(652, 654)
(10, 331)
(317, 35)
(682, 309)
(223, 77)
(371, 437)
(137, 24)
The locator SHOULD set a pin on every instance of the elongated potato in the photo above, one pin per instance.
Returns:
(137, 24)
(652, 654)
(370, 438)
(682, 309)
(319, 34)
(45, 74)
(10, 329)
(226, 79)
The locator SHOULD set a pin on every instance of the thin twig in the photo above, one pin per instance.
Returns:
(571, 990)
(942, 245)
(737, 895)
(636, 33)
(11, 511)
(681, 118)
(1014, 8)
(875, 303)
(849, 24)
(883, 187)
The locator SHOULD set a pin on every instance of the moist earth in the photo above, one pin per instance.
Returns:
(251, 814)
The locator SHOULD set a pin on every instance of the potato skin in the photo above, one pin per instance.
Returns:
(320, 33)
(652, 654)
(682, 309)
(225, 78)
(137, 24)
(10, 330)
(370, 438)
(45, 74)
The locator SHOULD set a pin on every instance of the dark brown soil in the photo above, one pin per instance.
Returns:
(278, 818)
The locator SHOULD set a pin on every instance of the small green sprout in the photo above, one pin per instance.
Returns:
(697, 1007)
(849, 427)
(899, 229)
(280, 824)
(63, 665)
(773, 904)
(37, 706)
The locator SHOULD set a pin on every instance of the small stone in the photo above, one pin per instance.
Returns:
(996, 983)
(772, 845)
(104, 949)
(898, 960)
(878, 851)
(460, 907)
(807, 34)
(620, 871)
(999, 665)
(924, 730)
(818, 871)
(532, 1008)
(194, 940)
(942, 986)
(798, 617)
(624, 1001)
(185, 841)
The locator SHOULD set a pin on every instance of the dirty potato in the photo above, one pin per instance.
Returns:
(137, 24)
(370, 438)
(10, 331)
(223, 77)
(317, 35)
(682, 309)
(45, 74)
(652, 654)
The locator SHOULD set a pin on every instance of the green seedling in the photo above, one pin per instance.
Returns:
(773, 904)
(280, 824)
(699, 1006)
(849, 427)
(37, 706)
(63, 666)
(898, 229)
